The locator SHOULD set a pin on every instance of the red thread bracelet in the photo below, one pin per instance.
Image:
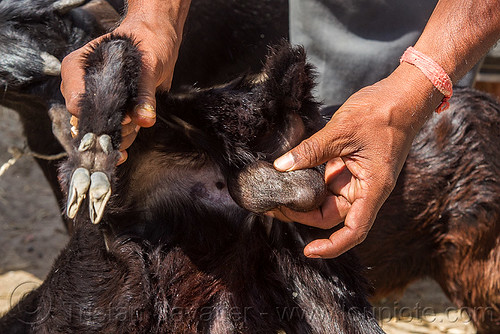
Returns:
(433, 72)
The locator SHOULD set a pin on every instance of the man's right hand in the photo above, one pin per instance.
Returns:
(158, 37)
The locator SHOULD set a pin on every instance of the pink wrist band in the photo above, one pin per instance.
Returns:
(433, 72)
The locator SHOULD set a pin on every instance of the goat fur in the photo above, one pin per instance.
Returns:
(175, 254)
(441, 220)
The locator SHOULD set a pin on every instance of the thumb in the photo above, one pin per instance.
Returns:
(311, 152)
(144, 113)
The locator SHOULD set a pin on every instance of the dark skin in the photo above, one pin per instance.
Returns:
(159, 38)
(368, 139)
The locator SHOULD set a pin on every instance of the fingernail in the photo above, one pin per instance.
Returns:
(145, 110)
(313, 256)
(285, 162)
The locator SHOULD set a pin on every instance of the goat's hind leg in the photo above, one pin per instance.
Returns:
(111, 76)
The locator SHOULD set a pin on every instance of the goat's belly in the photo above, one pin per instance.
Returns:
(165, 182)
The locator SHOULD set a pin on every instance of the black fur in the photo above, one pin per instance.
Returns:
(111, 78)
(178, 255)
(29, 28)
(442, 218)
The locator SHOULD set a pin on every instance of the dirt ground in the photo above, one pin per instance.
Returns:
(32, 234)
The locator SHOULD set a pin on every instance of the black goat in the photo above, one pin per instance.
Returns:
(442, 219)
(174, 253)
(178, 255)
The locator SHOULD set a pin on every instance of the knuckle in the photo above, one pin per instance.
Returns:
(153, 65)
(150, 61)
(62, 89)
(310, 151)
(68, 62)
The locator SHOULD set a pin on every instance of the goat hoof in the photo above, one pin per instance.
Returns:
(87, 142)
(105, 142)
(99, 194)
(78, 187)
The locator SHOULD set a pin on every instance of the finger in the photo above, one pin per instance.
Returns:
(334, 167)
(313, 151)
(357, 224)
(144, 113)
(129, 128)
(340, 181)
(126, 119)
(72, 84)
(123, 157)
(127, 141)
(332, 212)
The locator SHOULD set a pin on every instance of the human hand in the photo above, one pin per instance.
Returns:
(365, 145)
(159, 54)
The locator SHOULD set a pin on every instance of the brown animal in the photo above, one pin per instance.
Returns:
(443, 218)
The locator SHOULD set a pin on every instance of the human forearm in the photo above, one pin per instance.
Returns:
(159, 25)
(459, 33)
(368, 138)
(159, 14)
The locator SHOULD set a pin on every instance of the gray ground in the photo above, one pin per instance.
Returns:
(31, 231)
(32, 234)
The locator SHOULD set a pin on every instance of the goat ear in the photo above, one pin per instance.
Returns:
(289, 78)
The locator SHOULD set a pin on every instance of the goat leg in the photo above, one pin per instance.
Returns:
(95, 151)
